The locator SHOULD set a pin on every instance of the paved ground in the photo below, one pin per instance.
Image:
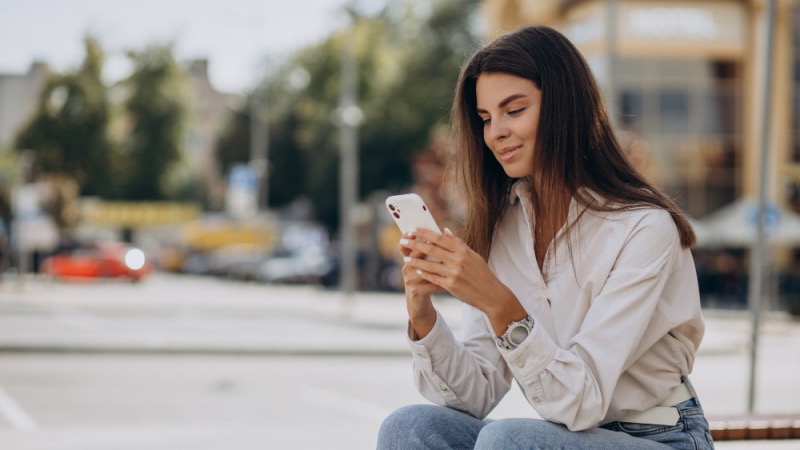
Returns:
(208, 318)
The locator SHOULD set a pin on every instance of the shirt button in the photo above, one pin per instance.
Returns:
(444, 389)
(520, 364)
(536, 399)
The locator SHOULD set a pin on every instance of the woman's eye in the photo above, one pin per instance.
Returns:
(516, 112)
(486, 120)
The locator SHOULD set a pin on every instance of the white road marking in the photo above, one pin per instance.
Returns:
(345, 403)
(14, 414)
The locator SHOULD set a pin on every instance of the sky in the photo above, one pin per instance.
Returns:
(235, 35)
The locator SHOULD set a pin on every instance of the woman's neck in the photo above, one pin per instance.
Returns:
(550, 210)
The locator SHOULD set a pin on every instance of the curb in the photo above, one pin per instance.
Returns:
(190, 351)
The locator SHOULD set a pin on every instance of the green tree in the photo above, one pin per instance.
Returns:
(157, 109)
(403, 118)
(69, 131)
(408, 64)
(287, 165)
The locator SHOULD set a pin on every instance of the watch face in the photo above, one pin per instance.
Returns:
(518, 334)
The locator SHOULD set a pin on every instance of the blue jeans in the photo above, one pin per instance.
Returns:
(436, 427)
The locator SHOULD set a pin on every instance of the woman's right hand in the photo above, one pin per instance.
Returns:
(420, 308)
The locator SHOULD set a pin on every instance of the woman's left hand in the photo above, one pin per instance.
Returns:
(463, 273)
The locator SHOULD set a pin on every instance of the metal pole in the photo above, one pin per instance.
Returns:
(612, 12)
(259, 146)
(757, 260)
(24, 255)
(349, 118)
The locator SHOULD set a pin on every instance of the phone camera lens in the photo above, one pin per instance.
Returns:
(391, 207)
(397, 215)
(424, 208)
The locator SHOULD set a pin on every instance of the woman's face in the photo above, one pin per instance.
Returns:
(509, 108)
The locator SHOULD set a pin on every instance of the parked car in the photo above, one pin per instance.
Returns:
(312, 265)
(99, 260)
(237, 261)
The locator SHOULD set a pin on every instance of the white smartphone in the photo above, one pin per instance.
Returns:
(410, 212)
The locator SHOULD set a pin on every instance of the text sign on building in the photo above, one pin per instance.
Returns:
(683, 21)
(645, 27)
(672, 23)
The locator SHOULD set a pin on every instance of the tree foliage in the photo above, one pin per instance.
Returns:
(69, 131)
(408, 63)
(157, 110)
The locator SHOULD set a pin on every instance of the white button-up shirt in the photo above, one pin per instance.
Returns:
(616, 312)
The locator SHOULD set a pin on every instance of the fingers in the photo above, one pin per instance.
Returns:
(422, 264)
(416, 284)
(437, 249)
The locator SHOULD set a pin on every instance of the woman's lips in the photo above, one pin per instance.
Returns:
(508, 153)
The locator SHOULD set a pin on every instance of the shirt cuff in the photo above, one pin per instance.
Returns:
(531, 357)
(438, 344)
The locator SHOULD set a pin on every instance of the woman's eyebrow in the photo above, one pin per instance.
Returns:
(505, 101)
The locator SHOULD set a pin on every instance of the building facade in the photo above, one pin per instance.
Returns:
(210, 111)
(19, 97)
(793, 171)
(685, 78)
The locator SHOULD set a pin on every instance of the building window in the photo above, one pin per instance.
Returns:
(796, 78)
(794, 184)
(688, 111)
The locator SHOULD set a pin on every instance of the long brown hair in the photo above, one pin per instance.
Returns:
(575, 144)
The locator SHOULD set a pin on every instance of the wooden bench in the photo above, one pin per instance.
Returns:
(755, 427)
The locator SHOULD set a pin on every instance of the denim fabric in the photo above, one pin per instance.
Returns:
(420, 427)
(690, 433)
(430, 427)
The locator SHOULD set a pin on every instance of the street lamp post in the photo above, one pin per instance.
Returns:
(612, 14)
(756, 288)
(259, 147)
(349, 116)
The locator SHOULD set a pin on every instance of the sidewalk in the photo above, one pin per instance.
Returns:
(189, 315)
(201, 316)
(266, 319)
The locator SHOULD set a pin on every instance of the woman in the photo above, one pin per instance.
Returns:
(575, 272)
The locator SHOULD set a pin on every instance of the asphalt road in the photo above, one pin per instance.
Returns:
(190, 363)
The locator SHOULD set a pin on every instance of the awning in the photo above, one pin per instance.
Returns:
(735, 226)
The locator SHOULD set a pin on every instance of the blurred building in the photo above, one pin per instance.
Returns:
(210, 111)
(683, 78)
(19, 97)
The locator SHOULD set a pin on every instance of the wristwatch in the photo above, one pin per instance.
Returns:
(517, 332)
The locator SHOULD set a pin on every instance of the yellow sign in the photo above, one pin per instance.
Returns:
(210, 236)
(138, 214)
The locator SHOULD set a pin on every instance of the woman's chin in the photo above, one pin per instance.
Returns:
(516, 172)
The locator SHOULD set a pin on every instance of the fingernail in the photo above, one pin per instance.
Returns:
(403, 241)
(419, 272)
(407, 258)
(447, 231)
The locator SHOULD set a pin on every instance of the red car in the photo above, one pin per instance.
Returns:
(99, 260)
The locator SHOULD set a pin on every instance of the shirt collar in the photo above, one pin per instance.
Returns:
(520, 190)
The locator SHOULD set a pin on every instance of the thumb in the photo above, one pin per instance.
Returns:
(448, 232)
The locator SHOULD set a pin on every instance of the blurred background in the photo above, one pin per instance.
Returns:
(171, 169)
(138, 141)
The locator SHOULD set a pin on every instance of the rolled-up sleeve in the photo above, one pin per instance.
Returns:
(467, 373)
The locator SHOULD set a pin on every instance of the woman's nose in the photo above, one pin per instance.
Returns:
(498, 129)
